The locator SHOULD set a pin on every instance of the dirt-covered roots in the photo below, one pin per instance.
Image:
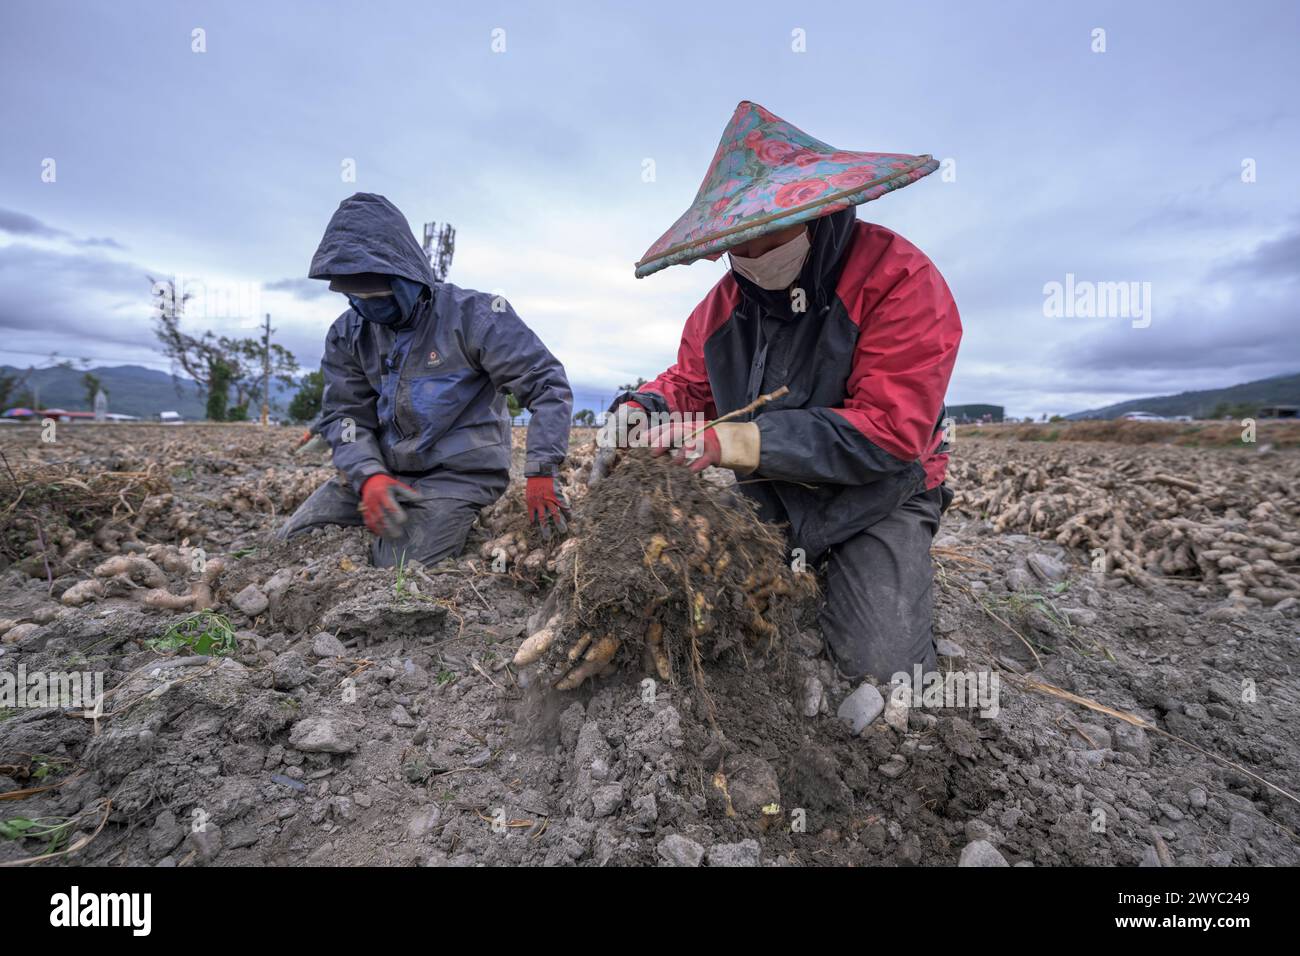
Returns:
(53, 515)
(142, 578)
(667, 571)
(1212, 517)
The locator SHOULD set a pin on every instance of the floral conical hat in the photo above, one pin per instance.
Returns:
(768, 175)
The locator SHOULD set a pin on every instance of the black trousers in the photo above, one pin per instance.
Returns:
(878, 616)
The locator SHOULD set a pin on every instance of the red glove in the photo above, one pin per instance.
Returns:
(381, 497)
(543, 502)
(699, 452)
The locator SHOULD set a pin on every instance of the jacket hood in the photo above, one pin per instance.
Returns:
(367, 233)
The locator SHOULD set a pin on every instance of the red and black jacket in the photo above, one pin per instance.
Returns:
(867, 361)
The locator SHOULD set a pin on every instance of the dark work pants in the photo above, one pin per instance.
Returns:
(435, 528)
(878, 617)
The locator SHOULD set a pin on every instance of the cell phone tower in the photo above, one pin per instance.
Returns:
(439, 246)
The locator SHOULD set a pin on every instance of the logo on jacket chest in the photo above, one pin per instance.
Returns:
(433, 359)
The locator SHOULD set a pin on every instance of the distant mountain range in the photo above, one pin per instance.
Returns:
(1244, 398)
(144, 392)
(131, 389)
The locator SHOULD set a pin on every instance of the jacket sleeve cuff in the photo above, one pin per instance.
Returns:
(360, 473)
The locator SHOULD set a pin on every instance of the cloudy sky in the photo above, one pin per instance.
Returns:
(1130, 164)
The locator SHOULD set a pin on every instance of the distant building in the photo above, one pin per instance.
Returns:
(1279, 411)
(63, 415)
(969, 414)
(170, 418)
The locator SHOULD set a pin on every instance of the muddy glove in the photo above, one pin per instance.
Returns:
(544, 503)
(623, 428)
(733, 445)
(381, 498)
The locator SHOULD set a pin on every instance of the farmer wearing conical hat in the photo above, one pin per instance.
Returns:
(414, 405)
(861, 328)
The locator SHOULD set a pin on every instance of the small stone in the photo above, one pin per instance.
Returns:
(1046, 568)
(240, 834)
(677, 850)
(861, 707)
(605, 800)
(1080, 616)
(423, 822)
(322, 735)
(946, 648)
(205, 842)
(896, 708)
(893, 768)
(289, 671)
(812, 696)
(325, 644)
(252, 601)
(1195, 711)
(752, 783)
(165, 833)
(646, 809)
(744, 853)
(979, 830)
(1132, 740)
(1241, 826)
(399, 716)
(1093, 736)
(479, 758)
(1018, 579)
(1198, 798)
(981, 853)
(1010, 818)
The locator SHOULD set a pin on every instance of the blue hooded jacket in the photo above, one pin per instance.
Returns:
(425, 398)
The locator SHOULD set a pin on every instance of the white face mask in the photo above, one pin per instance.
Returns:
(776, 268)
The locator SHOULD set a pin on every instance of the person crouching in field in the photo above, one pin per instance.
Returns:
(860, 327)
(414, 405)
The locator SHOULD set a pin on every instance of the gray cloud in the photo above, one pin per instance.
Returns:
(72, 301)
(1274, 260)
(21, 224)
